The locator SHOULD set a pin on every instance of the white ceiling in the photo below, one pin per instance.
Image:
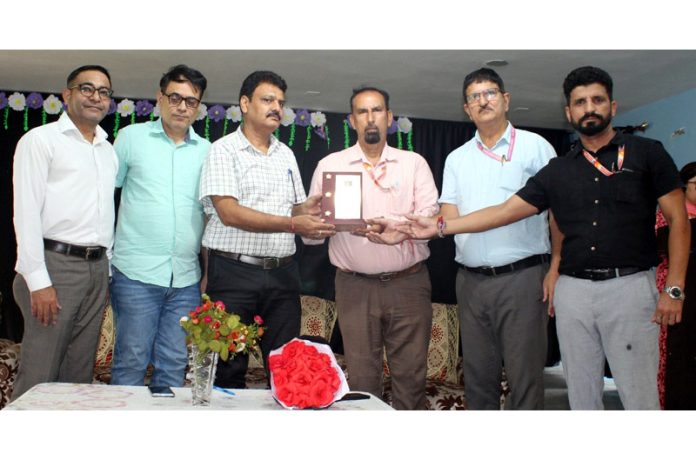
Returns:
(422, 83)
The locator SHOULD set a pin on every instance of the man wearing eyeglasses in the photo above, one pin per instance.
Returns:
(64, 174)
(252, 192)
(499, 282)
(156, 270)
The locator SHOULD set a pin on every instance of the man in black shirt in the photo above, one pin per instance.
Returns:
(603, 195)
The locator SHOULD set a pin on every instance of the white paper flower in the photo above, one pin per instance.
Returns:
(288, 117)
(317, 119)
(17, 101)
(52, 105)
(202, 112)
(234, 113)
(156, 111)
(404, 124)
(125, 107)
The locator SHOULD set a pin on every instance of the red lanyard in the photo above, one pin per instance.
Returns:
(371, 171)
(504, 158)
(595, 162)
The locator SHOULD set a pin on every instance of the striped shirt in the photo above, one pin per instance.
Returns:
(268, 183)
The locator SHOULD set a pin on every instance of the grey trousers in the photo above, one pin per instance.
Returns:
(503, 320)
(609, 318)
(396, 315)
(63, 352)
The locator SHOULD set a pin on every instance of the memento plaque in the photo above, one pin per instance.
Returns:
(341, 203)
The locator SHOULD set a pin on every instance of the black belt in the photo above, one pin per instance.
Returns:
(601, 274)
(519, 265)
(267, 263)
(83, 252)
(387, 276)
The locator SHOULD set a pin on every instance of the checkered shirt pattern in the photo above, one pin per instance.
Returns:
(268, 183)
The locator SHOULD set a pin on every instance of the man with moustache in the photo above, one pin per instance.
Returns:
(382, 291)
(63, 176)
(156, 271)
(603, 195)
(252, 192)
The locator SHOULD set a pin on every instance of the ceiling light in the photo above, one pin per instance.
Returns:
(312, 93)
(521, 109)
(496, 63)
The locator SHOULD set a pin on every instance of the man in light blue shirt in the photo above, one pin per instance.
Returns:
(156, 270)
(500, 281)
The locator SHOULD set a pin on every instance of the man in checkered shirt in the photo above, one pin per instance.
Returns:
(252, 192)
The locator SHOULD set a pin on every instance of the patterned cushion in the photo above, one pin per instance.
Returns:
(105, 349)
(443, 349)
(9, 363)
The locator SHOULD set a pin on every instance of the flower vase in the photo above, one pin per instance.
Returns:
(204, 365)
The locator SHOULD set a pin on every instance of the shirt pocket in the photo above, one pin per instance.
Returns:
(512, 177)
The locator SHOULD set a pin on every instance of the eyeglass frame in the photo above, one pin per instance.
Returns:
(93, 89)
(491, 94)
(185, 99)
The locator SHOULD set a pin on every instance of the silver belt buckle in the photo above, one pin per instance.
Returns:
(270, 263)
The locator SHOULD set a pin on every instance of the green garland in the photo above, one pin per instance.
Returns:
(117, 122)
(6, 115)
(224, 128)
(308, 141)
(276, 133)
(207, 127)
(132, 118)
(346, 134)
(152, 115)
(43, 116)
(326, 131)
(26, 119)
(400, 142)
(291, 142)
(410, 140)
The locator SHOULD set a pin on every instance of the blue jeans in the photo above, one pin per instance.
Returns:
(148, 330)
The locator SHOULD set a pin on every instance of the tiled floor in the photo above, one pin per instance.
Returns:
(556, 391)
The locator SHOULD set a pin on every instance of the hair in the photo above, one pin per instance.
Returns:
(85, 68)
(182, 73)
(364, 89)
(254, 79)
(587, 75)
(481, 75)
(688, 172)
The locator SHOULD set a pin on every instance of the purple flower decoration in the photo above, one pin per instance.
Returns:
(143, 108)
(112, 107)
(302, 118)
(35, 101)
(216, 112)
(3, 100)
(394, 127)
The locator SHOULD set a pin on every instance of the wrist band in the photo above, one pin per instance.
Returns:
(292, 224)
(441, 224)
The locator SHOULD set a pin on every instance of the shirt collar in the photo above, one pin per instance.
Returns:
(355, 154)
(243, 142)
(65, 124)
(505, 137)
(157, 127)
(618, 139)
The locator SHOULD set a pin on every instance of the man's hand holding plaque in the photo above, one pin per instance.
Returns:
(341, 201)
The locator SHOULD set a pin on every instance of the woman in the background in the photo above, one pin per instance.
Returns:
(677, 372)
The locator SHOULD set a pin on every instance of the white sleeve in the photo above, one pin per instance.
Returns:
(32, 162)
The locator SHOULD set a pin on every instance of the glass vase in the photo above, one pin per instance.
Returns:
(204, 365)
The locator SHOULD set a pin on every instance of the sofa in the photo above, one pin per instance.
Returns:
(445, 386)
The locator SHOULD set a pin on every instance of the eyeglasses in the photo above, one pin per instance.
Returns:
(488, 94)
(88, 90)
(176, 98)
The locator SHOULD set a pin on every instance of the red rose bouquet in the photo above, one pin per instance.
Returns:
(305, 375)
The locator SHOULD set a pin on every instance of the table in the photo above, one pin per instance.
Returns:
(82, 396)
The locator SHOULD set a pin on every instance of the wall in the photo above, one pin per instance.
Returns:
(665, 116)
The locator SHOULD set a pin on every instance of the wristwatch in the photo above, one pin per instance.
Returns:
(675, 292)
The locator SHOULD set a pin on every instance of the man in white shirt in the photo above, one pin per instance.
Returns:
(64, 174)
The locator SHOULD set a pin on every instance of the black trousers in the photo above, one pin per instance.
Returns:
(248, 290)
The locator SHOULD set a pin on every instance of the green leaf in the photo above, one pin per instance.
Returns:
(215, 346)
(224, 354)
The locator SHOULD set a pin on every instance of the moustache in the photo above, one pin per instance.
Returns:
(274, 114)
(591, 115)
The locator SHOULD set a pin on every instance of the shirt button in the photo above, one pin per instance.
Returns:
(596, 201)
(596, 179)
(594, 224)
(592, 248)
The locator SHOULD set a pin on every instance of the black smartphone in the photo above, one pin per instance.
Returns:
(161, 391)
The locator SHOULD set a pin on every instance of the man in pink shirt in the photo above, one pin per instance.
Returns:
(382, 291)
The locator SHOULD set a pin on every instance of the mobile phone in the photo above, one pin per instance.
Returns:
(161, 391)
